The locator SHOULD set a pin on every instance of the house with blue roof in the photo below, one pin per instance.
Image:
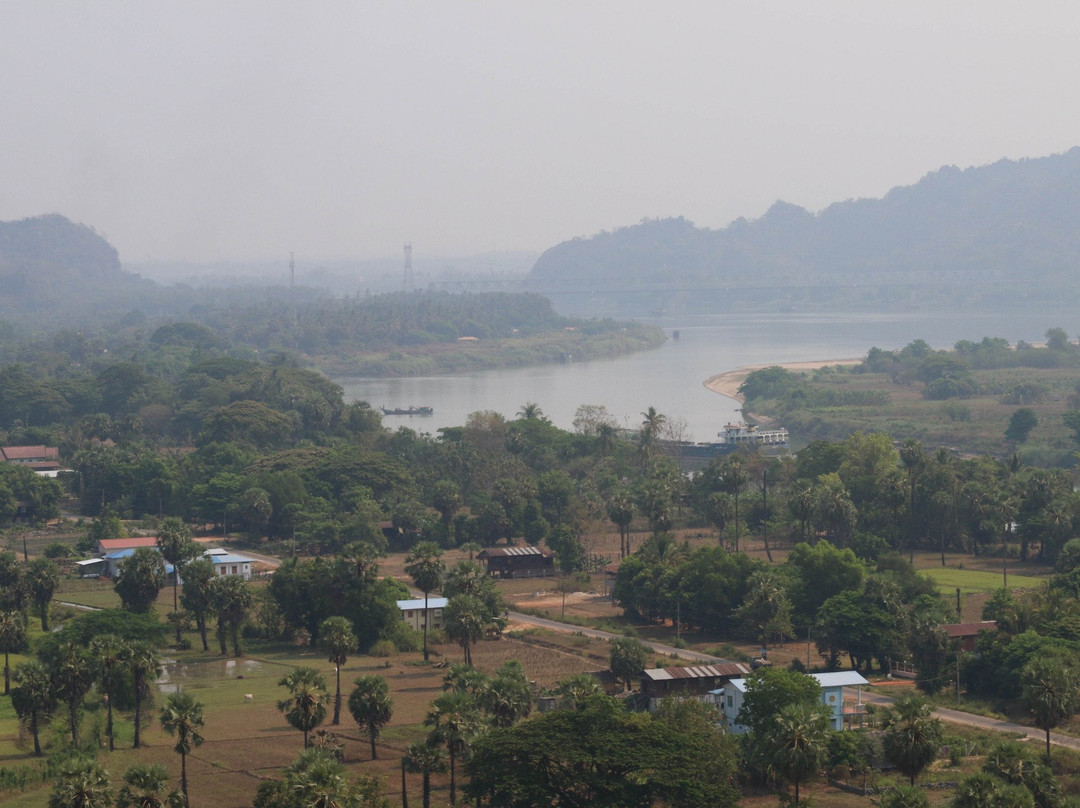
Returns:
(832, 697)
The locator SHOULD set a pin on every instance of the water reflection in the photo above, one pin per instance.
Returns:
(174, 674)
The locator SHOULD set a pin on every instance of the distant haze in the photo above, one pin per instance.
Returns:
(240, 131)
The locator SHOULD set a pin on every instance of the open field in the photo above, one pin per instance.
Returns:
(970, 582)
(972, 426)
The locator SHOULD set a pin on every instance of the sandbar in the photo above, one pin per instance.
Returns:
(728, 383)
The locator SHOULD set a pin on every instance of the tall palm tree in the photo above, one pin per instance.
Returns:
(72, 674)
(177, 548)
(620, 510)
(83, 783)
(464, 619)
(371, 707)
(733, 479)
(649, 434)
(182, 716)
(147, 786)
(33, 697)
(233, 600)
(425, 759)
(338, 640)
(143, 663)
(12, 636)
(305, 708)
(109, 653)
(1051, 693)
(799, 742)
(455, 721)
(425, 566)
(914, 459)
(42, 578)
(912, 735)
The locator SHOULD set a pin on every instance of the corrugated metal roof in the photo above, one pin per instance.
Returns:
(833, 679)
(226, 558)
(418, 603)
(515, 551)
(698, 671)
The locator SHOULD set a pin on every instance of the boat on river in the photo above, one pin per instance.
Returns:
(408, 410)
(731, 438)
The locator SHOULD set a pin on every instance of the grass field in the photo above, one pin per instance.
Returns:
(970, 582)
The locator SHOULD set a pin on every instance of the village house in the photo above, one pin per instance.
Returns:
(697, 681)
(832, 696)
(42, 459)
(412, 612)
(518, 562)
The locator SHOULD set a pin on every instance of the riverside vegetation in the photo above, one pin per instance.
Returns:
(754, 550)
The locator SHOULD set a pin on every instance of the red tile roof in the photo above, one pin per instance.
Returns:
(30, 453)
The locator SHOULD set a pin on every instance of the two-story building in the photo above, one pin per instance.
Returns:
(696, 682)
(832, 696)
(412, 612)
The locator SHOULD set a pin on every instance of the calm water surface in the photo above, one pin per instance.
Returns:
(671, 378)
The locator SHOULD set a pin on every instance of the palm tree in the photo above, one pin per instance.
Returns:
(42, 578)
(733, 478)
(371, 706)
(12, 636)
(425, 566)
(233, 599)
(338, 640)
(305, 708)
(649, 434)
(620, 510)
(109, 653)
(83, 783)
(464, 619)
(912, 735)
(318, 780)
(1051, 692)
(455, 721)
(197, 595)
(530, 411)
(182, 716)
(143, 662)
(914, 459)
(177, 548)
(33, 697)
(146, 786)
(423, 758)
(72, 674)
(799, 742)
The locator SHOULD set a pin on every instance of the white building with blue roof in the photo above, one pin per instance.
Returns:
(832, 696)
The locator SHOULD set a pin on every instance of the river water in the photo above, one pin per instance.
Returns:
(671, 378)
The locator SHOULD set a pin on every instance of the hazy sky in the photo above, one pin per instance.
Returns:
(245, 129)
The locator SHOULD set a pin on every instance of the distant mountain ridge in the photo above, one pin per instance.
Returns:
(1004, 223)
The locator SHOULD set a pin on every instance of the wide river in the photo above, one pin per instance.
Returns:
(671, 377)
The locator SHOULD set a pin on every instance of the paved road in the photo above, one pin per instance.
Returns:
(982, 722)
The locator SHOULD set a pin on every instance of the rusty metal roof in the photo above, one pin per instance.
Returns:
(698, 671)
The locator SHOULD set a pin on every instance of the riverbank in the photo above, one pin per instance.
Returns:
(729, 382)
(601, 340)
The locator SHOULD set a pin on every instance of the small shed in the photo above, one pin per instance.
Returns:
(412, 612)
(518, 562)
(696, 681)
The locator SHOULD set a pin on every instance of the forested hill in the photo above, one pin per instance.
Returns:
(992, 228)
(49, 255)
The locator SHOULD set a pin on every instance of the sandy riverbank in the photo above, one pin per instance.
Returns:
(727, 384)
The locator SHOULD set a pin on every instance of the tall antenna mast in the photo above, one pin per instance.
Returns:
(407, 281)
(292, 271)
